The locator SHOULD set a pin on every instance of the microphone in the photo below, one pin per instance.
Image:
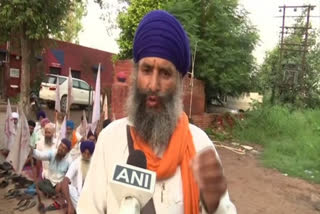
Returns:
(132, 184)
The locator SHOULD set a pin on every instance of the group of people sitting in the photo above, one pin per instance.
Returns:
(61, 163)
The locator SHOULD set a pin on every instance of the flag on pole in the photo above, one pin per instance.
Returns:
(20, 149)
(70, 94)
(63, 131)
(96, 105)
(8, 127)
(105, 108)
(57, 103)
(84, 128)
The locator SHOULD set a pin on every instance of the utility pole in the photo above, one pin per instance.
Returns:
(293, 74)
(305, 50)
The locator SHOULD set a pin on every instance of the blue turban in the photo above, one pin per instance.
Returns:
(41, 114)
(66, 142)
(87, 145)
(70, 124)
(160, 34)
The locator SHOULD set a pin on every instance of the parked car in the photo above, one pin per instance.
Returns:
(80, 90)
(235, 105)
(244, 102)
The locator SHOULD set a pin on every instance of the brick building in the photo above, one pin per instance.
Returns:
(59, 56)
(56, 58)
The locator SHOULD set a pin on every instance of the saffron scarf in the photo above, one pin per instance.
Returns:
(179, 152)
(74, 139)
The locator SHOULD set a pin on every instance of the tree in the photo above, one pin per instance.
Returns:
(128, 22)
(30, 21)
(72, 23)
(291, 81)
(225, 41)
(224, 36)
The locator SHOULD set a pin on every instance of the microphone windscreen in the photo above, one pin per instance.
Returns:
(137, 158)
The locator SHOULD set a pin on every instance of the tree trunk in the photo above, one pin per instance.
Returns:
(24, 103)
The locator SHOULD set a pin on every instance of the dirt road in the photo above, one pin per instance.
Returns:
(257, 190)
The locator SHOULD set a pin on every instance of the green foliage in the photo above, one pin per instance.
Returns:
(208, 131)
(128, 22)
(36, 82)
(288, 80)
(221, 31)
(72, 23)
(14, 99)
(225, 40)
(290, 138)
(36, 18)
(28, 22)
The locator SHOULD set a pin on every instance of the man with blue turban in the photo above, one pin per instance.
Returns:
(71, 185)
(75, 138)
(59, 162)
(40, 116)
(190, 177)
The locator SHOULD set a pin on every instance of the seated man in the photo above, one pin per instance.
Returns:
(72, 183)
(46, 143)
(59, 162)
(40, 116)
(59, 122)
(74, 137)
(32, 125)
(39, 132)
(83, 127)
(92, 136)
(10, 140)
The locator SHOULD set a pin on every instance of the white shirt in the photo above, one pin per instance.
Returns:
(43, 147)
(111, 148)
(75, 174)
(57, 169)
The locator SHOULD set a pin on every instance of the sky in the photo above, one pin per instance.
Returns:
(262, 13)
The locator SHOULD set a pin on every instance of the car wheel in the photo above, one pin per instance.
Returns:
(50, 105)
(63, 103)
(83, 107)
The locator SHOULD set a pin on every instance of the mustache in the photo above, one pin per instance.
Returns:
(163, 97)
(148, 92)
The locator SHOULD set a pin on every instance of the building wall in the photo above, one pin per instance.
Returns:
(80, 58)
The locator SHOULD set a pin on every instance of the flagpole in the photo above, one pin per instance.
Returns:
(69, 95)
(96, 113)
(191, 83)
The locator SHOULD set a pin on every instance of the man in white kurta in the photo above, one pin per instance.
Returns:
(59, 162)
(46, 143)
(98, 197)
(71, 185)
(190, 177)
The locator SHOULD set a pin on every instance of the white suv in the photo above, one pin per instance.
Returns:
(80, 90)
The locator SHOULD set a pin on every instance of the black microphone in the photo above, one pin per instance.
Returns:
(137, 158)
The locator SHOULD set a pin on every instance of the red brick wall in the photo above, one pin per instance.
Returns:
(118, 100)
(125, 66)
(203, 120)
(76, 57)
(198, 96)
(82, 58)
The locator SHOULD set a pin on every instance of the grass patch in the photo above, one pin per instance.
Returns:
(291, 139)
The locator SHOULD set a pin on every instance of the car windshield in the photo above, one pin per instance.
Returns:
(53, 80)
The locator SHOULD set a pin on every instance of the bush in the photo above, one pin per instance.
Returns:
(290, 138)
